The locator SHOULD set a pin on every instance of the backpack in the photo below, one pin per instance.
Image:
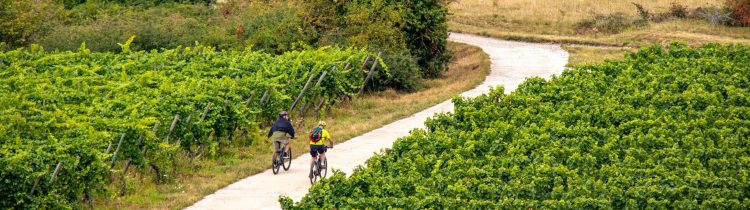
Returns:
(316, 134)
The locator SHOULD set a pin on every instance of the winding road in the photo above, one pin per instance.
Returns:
(512, 62)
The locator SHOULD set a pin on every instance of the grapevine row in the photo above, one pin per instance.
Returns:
(67, 118)
(663, 128)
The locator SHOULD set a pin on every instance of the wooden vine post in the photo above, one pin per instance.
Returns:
(54, 174)
(114, 156)
(172, 126)
(307, 84)
(369, 74)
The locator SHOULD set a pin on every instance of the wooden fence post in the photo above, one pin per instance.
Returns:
(317, 84)
(369, 74)
(265, 96)
(124, 183)
(307, 84)
(205, 111)
(171, 127)
(114, 156)
(54, 174)
(365, 63)
(250, 99)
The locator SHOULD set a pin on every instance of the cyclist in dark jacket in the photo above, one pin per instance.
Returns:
(281, 131)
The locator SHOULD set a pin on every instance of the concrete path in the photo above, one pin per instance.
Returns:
(512, 62)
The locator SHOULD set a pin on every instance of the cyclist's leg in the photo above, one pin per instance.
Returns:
(323, 151)
(313, 154)
(276, 146)
(286, 145)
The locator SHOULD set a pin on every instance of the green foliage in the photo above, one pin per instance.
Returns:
(426, 34)
(143, 3)
(156, 28)
(419, 26)
(268, 27)
(660, 129)
(22, 21)
(403, 72)
(273, 26)
(70, 107)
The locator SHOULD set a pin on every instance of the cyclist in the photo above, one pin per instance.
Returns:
(280, 132)
(319, 147)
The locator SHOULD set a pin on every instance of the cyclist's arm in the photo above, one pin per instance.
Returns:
(327, 135)
(290, 129)
(270, 132)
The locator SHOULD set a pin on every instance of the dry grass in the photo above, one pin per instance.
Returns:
(582, 55)
(468, 68)
(554, 21)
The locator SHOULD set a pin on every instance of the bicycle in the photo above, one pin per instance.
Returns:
(281, 159)
(317, 170)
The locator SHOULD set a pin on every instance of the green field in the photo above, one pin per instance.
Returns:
(663, 128)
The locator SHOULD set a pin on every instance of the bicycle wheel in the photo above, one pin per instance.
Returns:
(324, 170)
(287, 161)
(313, 170)
(275, 163)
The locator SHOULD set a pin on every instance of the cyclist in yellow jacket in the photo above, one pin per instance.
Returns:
(319, 147)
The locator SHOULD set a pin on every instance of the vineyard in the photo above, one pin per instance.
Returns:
(71, 122)
(663, 128)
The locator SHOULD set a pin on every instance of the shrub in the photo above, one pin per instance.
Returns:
(612, 23)
(22, 21)
(426, 34)
(678, 10)
(715, 16)
(419, 26)
(405, 74)
(643, 12)
(741, 11)
(271, 28)
(154, 28)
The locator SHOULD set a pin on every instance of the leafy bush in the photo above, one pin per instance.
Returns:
(404, 74)
(741, 11)
(23, 21)
(154, 28)
(642, 12)
(419, 26)
(426, 34)
(678, 10)
(143, 3)
(660, 129)
(271, 28)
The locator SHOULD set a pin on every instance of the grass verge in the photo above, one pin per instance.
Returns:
(556, 21)
(582, 55)
(468, 68)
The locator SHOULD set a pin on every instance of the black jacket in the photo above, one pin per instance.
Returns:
(282, 124)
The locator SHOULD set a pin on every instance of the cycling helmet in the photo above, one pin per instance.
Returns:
(282, 113)
(322, 123)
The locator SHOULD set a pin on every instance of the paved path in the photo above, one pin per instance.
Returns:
(512, 62)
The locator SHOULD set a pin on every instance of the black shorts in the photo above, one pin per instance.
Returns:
(315, 149)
